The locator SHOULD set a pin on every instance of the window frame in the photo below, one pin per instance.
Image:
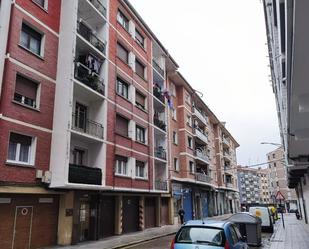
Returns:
(191, 163)
(128, 123)
(126, 60)
(176, 164)
(45, 7)
(34, 31)
(190, 142)
(137, 170)
(141, 43)
(123, 20)
(121, 163)
(31, 151)
(137, 61)
(144, 108)
(175, 141)
(122, 83)
(140, 136)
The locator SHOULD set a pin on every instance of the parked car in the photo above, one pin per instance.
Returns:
(266, 217)
(208, 234)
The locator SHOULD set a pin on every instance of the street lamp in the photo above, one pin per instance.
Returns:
(276, 144)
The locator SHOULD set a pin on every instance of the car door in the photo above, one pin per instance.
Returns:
(235, 238)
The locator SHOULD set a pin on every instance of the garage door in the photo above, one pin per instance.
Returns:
(107, 216)
(164, 211)
(150, 212)
(130, 213)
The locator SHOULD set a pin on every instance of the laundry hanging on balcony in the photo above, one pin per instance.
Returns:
(167, 95)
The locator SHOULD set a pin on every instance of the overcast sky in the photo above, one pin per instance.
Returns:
(220, 46)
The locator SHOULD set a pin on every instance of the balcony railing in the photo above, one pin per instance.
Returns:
(160, 153)
(226, 141)
(99, 6)
(158, 94)
(89, 78)
(158, 68)
(201, 135)
(202, 177)
(227, 155)
(229, 185)
(87, 126)
(202, 155)
(200, 116)
(85, 175)
(161, 185)
(159, 123)
(87, 33)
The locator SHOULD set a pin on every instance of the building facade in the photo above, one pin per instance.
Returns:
(278, 178)
(100, 133)
(253, 184)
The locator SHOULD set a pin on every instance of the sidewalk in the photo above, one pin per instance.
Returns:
(294, 236)
(120, 241)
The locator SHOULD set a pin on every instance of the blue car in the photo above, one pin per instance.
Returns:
(208, 234)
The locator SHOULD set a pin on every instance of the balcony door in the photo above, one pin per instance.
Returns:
(79, 156)
(80, 117)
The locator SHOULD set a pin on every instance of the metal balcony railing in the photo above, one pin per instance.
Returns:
(161, 185)
(87, 33)
(200, 116)
(158, 68)
(202, 155)
(202, 177)
(226, 141)
(87, 126)
(201, 135)
(160, 153)
(227, 155)
(229, 185)
(159, 123)
(158, 94)
(85, 175)
(99, 6)
(89, 78)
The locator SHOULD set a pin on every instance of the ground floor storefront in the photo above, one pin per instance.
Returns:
(28, 220)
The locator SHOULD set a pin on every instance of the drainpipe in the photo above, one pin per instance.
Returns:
(304, 201)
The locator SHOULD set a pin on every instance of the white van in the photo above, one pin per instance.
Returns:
(264, 214)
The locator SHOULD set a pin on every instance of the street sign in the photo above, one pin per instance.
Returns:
(279, 196)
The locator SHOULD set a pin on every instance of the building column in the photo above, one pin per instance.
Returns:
(65, 218)
(141, 212)
(158, 211)
(171, 211)
(118, 215)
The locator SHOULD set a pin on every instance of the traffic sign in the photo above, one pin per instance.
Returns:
(279, 196)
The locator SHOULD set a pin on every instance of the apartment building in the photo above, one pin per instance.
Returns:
(100, 134)
(253, 186)
(288, 46)
(29, 35)
(278, 178)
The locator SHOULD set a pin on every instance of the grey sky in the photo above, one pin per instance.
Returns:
(221, 49)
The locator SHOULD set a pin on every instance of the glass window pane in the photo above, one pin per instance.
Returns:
(24, 38)
(35, 46)
(12, 151)
(24, 153)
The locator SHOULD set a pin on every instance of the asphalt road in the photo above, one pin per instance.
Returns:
(165, 242)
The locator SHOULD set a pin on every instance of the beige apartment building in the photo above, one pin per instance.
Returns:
(278, 177)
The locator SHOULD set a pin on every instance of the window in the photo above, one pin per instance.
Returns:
(140, 134)
(190, 144)
(173, 89)
(140, 169)
(122, 126)
(189, 120)
(122, 88)
(140, 100)
(174, 113)
(274, 155)
(121, 165)
(122, 53)
(139, 69)
(26, 91)
(191, 167)
(175, 137)
(21, 149)
(31, 39)
(188, 98)
(79, 156)
(176, 164)
(42, 3)
(139, 38)
(275, 165)
(123, 20)
(80, 117)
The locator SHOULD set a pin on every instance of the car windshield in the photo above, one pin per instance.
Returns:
(201, 235)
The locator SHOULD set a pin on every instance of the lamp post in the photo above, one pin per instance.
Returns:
(275, 144)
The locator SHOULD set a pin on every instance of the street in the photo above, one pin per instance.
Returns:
(165, 242)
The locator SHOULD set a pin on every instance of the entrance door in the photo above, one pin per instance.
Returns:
(205, 207)
(22, 227)
(187, 205)
(84, 218)
(164, 211)
(130, 214)
(150, 212)
(107, 216)
(80, 116)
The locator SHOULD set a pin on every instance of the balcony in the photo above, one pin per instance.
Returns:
(158, 94)
(99, 6)
(159, 123)
(229, 185)
(85, 175)
(202, 177)
(87, 126)
(89, 78)
(227, 155)
(158, 68)
(225, 141)
(161, 185)
(200, 116)
(160, 153)
(202, 156)
(201, 135)
(86, 32)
